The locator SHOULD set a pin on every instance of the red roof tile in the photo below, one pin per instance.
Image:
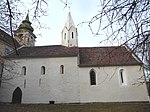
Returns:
(45, 51)
(106, 56)
(88, 56)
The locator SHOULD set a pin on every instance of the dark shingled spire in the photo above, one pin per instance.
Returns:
(26, 24)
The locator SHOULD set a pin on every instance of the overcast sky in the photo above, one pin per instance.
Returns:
(81, 10)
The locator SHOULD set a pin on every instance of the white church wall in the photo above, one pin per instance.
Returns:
(108, 87)
(74, 85)
(11, 79)
(69, 37)
(53, 86)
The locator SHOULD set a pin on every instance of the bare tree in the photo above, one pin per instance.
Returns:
(126, 22)
(8, 71)
(5, 14)
(15, 9)
(10, 16)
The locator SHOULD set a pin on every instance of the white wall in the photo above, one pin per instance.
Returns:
(61, 88)
(74, 85)
(109, 88)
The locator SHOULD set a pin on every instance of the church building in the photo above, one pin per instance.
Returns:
(68, 73)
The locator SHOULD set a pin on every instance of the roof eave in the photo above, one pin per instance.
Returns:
(25, 57)
(139, 64)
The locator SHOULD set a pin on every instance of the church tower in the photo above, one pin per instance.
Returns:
(24, 34)
(69, 33)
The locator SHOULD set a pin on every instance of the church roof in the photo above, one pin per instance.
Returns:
(88, 56)
(6, 38)
(107, 56)
(45, 51)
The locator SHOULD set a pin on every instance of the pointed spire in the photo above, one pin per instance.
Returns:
(69, 21)
(69, 33)
(27, 17)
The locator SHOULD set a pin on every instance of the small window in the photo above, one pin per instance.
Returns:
(64, 35)
(62, 69)
(92, 77)
(122, 77)
(25, 83)
(24, 70)
(43, 70)
(72, 35)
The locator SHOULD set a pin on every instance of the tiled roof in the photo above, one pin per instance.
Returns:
(7, 39)
(88, 56)
(45, 51)
(107, 56)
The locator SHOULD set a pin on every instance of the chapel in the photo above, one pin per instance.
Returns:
(68, 73)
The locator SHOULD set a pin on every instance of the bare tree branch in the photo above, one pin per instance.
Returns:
(126, 22)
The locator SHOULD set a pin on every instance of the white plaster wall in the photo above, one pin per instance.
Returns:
(10, 80)
(108, 87)
(61, 88)
(73, 41)
(74, 85)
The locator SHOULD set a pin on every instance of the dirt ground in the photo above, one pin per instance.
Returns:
(93, 107)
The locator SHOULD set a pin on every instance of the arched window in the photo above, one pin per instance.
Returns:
(43, 70)
(64, 35)
(72, 35)
(61, 69)
(24, 70)
(92, 77)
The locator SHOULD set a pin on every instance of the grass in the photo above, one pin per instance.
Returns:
(94, 107)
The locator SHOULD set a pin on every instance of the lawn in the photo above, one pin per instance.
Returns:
(94, 107)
